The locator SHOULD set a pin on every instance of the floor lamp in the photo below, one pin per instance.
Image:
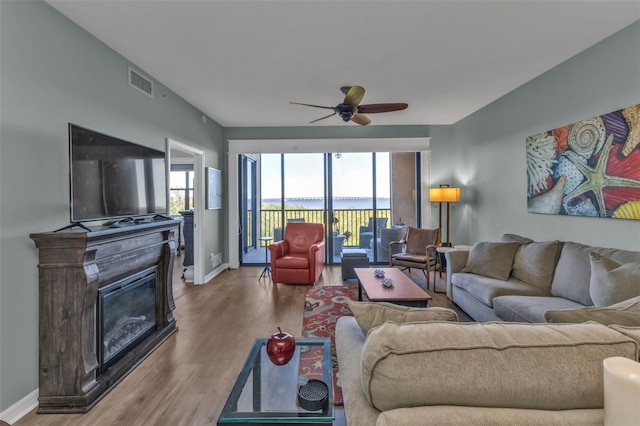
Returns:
(444, 194)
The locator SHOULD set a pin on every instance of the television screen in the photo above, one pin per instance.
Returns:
(113, 178)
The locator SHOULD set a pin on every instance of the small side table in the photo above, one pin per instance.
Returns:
(267, 268)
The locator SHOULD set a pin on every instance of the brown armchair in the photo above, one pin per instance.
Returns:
(299, 257)
(418, 250)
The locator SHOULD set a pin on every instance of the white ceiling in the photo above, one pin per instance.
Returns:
(241, 62)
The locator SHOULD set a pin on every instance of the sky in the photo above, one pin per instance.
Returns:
(352, 176)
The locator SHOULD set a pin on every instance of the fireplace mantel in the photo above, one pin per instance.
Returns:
(73, 266)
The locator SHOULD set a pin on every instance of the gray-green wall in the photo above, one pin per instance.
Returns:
(52, 73)
(485, 152)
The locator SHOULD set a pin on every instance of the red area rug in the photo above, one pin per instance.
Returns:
(322, 308)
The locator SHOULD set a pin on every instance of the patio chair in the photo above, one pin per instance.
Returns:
(418, 250)
(366, 232)
(385, 237)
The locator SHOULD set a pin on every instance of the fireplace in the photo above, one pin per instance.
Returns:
(126, 316)
(106, 302)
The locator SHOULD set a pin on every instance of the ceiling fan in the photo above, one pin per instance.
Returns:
(350, 110)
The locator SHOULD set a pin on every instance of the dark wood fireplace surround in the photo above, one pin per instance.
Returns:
(73, 266)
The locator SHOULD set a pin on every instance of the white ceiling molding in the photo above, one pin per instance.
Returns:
(274, 146)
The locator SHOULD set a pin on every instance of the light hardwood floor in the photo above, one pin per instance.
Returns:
(187, 379)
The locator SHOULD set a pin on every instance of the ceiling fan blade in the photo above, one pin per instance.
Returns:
(375, 108)
(316, 106)
(322, 118)
(361, 119)
(354, 96)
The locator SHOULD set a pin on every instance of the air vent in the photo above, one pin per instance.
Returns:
(140, 82)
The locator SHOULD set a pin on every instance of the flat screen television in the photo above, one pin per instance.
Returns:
(112, 178)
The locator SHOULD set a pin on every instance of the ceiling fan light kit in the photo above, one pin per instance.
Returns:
(350, 108)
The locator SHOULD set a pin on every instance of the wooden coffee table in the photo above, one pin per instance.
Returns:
(404, 291)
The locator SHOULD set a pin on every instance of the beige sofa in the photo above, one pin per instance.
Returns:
(450, 373)
(519, 280)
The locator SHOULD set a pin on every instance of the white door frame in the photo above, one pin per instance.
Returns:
(198, 202)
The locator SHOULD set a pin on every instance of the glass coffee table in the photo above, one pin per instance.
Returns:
(267, 393)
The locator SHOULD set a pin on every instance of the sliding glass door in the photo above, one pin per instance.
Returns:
(350, 193)
(248, 208)
(352, 202)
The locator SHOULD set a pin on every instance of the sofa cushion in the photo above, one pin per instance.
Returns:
(492, 259)
(489, 364)
(631, 332)
(529, 308)
(486, 289)
(623, 313)
(573, 272)
(612, 282)
(448, 415)
(293, 261)
(535, 263)
(372, 314)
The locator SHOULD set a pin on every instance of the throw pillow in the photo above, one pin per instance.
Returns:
(372, 314)
(612, 282)
(535, 263)
(492, 259)
(624, 313)
(514, 238)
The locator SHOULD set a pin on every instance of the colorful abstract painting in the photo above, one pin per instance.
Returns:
(589, 168)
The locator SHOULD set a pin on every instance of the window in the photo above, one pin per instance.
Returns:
(180, 188)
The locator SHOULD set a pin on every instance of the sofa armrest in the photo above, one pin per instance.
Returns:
(315, 247)
(396, 243)
(316, 259)
(349, 343)
(278, 249)
(396, 247)
(456, 261)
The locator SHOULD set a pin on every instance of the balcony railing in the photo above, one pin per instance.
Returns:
(344, 222)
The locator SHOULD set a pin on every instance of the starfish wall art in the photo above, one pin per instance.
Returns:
(589, 168)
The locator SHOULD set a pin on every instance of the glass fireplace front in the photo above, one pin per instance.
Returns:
(127, 315)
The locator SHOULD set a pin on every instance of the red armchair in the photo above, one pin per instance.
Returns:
(299, 257)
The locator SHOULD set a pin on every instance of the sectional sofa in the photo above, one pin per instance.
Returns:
(521, 280)
(435, 371)
(549, 314)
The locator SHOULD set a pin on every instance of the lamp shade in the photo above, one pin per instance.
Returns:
(444, 195)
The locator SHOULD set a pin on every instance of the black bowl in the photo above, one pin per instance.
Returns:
(314, 395)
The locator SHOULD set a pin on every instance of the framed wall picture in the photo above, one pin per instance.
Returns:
(588, 168)
(214, 188)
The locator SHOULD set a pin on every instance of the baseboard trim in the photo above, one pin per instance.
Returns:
(21, 408)
(211, 275)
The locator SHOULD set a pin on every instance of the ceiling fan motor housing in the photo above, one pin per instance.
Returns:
(345, 111)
